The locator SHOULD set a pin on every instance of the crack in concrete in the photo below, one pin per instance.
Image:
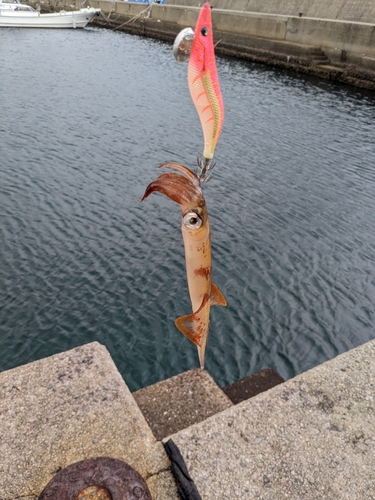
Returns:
(168, 469)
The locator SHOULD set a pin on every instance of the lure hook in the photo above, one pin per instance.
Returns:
(205, 166)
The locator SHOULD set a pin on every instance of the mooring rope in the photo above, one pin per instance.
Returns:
(148, 9)
(106, 18)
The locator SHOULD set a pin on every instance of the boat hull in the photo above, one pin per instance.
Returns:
(72, 19)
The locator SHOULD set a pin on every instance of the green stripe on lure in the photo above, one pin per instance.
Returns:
(185, 189)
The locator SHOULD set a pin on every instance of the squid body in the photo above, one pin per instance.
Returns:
(204, 83)
(185, 190)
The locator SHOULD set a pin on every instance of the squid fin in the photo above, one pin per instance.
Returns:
(217, 298)
(195, 325)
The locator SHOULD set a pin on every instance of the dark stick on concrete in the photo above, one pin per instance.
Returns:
(185, 485)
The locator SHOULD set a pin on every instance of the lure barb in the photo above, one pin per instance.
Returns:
(185, 189)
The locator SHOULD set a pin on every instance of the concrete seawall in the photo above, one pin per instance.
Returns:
(334, 40)
(344, 10)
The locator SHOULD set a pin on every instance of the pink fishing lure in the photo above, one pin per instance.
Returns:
(204, 83)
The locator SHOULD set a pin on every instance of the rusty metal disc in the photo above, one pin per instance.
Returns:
(101, 478)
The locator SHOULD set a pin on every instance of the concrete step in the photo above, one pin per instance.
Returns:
(318, 57)
(174, 404)
(252, 385)
(316, 52)
(329, 67)
(320, 60)
(178, 402)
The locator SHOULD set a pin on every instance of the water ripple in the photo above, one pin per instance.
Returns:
(291, 206)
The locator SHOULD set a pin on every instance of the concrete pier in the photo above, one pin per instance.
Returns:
(311, 438)
(66, 408)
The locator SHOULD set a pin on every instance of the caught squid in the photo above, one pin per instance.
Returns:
(204, 88)
(185, 189)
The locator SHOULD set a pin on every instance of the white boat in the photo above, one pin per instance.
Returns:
(17, 15)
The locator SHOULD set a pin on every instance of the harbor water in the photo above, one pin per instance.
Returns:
(86, 117)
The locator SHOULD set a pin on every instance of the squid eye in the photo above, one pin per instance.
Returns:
(204, 31)
(192, 220)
